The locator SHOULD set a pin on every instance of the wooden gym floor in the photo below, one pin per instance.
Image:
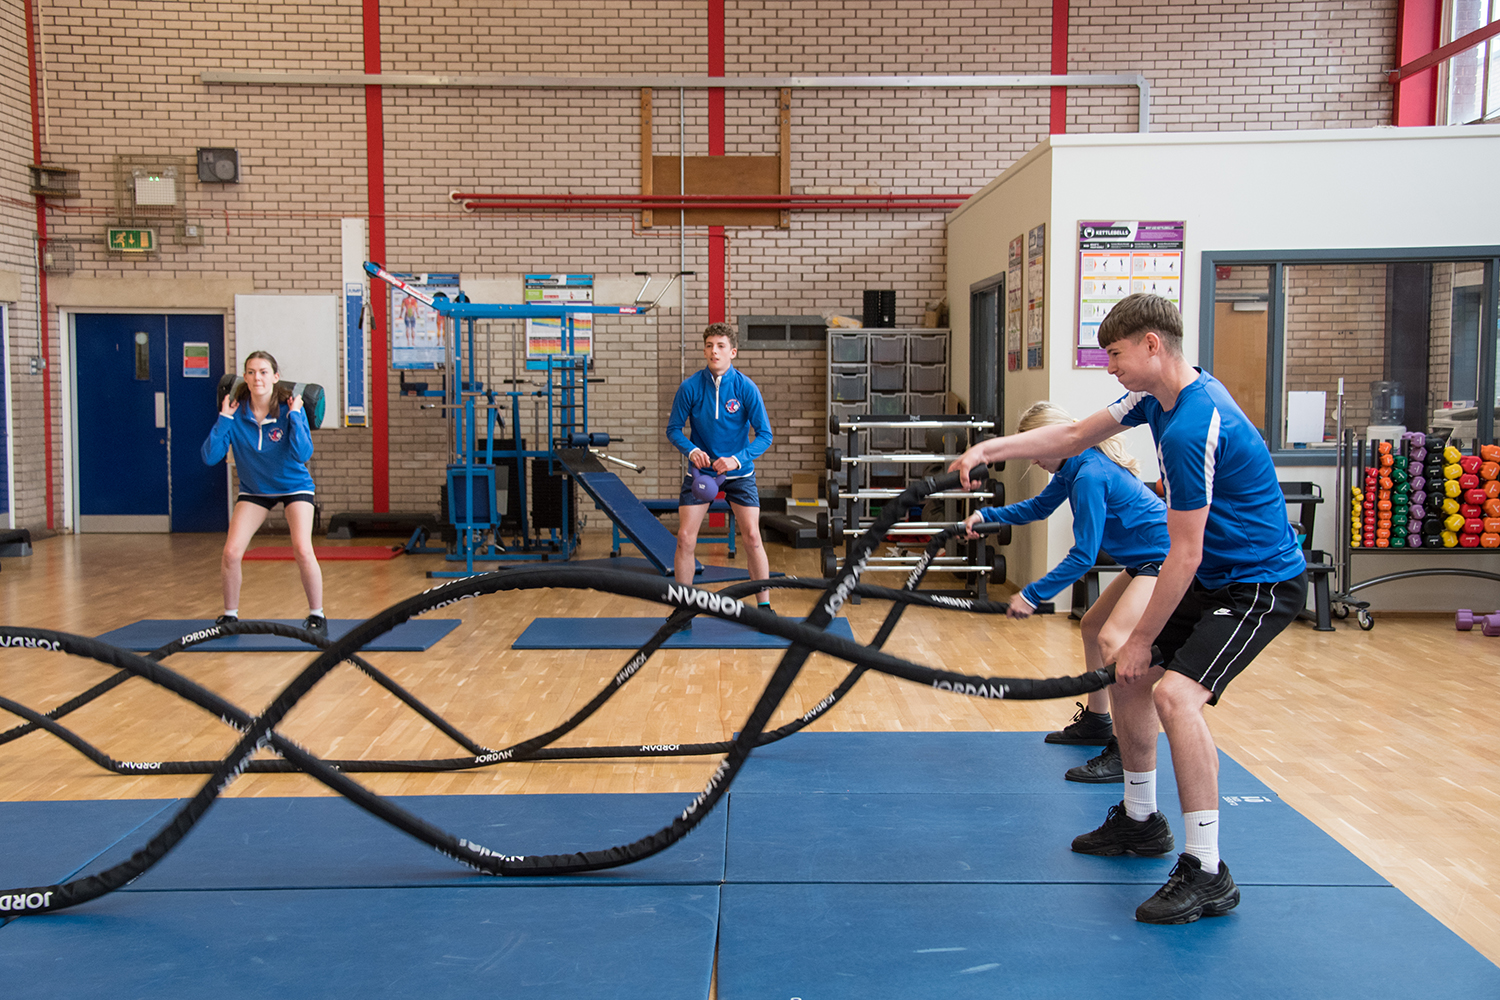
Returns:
(1384, 739)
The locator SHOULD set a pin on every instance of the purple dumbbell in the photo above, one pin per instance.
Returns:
(1418, 455)
(1414, 540)
(1492, 624)
(1464, 620)
(1418, 483)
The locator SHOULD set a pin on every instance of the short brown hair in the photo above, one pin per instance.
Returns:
(1143, 313)
(722, 330)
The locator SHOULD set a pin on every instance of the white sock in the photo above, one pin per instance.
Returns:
(318, 612)
(232, 612)
(1140, 794)
(1203, 838)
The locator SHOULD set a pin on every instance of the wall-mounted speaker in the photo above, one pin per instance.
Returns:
(219, 166)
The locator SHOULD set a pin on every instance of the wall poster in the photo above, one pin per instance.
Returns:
(1116, 259)
(1036, 327)
(1013, 310)
(416, 336)
(552, 335)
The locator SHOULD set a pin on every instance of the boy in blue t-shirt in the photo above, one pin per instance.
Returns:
(1234, 577)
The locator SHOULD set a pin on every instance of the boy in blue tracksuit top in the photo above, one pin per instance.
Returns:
(1111, 510)
(1234, 577)
(721, 406)
(266, 426)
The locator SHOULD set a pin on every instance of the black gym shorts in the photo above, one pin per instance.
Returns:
(269, 503)
(1144, 569)
(1214, 634)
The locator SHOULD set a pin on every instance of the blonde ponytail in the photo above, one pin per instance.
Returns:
(1043, 413)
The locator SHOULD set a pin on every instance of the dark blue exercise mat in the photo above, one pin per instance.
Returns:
(917, 837)
(1060, 942)
(154, 633)
(633, 633)
(642, 942)
(45, 843)
(708, 574)
(948, 762)
(322, 842)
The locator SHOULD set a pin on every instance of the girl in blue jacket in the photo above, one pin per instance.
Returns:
(1114, 511)
(263, 421)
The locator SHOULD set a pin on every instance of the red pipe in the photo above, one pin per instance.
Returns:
(718, 257)
(1058, 114)
(380, 432)
(664, 204)
(483, 196)
(41, 274)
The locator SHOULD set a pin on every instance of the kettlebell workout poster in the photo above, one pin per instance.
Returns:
(1116, 259)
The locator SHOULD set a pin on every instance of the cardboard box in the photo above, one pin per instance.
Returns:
(805, 489)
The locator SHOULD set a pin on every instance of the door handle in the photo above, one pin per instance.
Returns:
(161, 409)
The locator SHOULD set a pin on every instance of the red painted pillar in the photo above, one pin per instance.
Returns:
(380, 431)
(43, 319)
(1059, 116)
(1419, 28)
(717, 283)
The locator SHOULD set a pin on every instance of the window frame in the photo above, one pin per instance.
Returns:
(1278, 260)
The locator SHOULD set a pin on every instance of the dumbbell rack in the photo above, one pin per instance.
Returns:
(1352, 459)
(850, 497)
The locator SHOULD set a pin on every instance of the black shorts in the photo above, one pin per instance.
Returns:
(269, 503)
(1144, 569)
(1214, 634)
(741, 491)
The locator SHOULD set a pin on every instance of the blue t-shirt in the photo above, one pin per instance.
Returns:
(722, 411)
(1211, 455)
(1112, 510)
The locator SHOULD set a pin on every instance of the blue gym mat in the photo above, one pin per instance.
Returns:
(639, 942)
(632, 633)
(153, 633)
(916, 837)
(953, 763)
(51, 842)
(323, 842)
(1059, 942)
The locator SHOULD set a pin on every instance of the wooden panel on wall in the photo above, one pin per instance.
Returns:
(725, 175)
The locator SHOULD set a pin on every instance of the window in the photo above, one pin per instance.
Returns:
(1471, 79)
(1412, 334)
(796, 332)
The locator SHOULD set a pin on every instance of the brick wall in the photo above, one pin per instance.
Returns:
(125, 80)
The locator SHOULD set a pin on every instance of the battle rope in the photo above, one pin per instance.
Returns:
(260, 731)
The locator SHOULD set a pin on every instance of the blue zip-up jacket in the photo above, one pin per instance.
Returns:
(1112, 510)
(721, 412)
(271, 457)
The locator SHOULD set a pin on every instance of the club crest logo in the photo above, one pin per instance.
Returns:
(275, 434)
(733, 406)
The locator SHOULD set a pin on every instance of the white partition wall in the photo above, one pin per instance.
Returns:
(1349, 189)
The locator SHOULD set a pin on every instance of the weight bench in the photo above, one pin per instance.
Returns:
(659, 507)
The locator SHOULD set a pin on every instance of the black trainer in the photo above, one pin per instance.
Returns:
(1147, 838)
(317, 624)
(1100, 770)
(225, 619)
(1086, 729)
(1190, 893)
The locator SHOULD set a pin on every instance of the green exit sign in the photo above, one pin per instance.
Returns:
(132, 240)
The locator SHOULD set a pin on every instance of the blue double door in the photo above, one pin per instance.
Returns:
(145, 402)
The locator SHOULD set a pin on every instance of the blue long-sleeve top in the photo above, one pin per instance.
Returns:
(1112, 510)
(271, 455)
(721, 411)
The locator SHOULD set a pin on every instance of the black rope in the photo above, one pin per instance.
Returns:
(260, 731)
